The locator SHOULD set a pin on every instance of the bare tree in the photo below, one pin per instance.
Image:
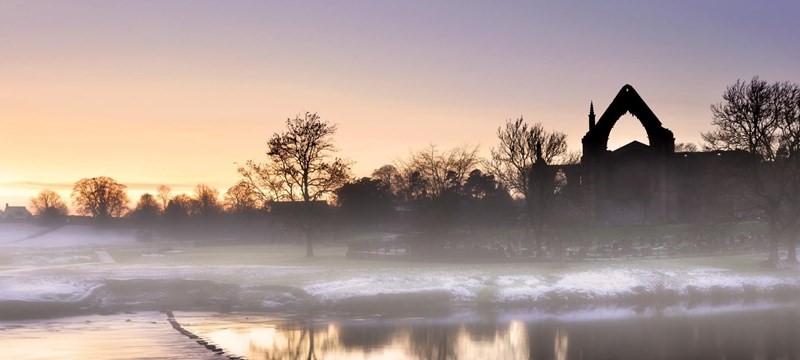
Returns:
(432, 183)
(241, 199)
(164, 194)
(300, 166)
(437, 171)
(513, 158)
(101, 197)
(763, 119)
(390, 177)
(205, 201)
(523, 147)
(48, 205)
(685, 147)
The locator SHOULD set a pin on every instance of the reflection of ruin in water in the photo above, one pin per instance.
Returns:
(770, 333)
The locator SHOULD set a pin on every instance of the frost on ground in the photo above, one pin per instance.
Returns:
(606, 284)
(601, 285)
(609, 284)
(45, 288)
(64, 265)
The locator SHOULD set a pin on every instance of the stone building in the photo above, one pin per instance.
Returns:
(640, 184)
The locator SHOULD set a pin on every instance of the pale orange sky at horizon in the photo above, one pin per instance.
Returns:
(179, 92)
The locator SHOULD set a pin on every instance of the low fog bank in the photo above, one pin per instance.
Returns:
(80, 269)
(32, 235)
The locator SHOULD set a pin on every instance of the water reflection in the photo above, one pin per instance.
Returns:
(755, 334)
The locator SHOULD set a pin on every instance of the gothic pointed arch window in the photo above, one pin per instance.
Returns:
(626, 130)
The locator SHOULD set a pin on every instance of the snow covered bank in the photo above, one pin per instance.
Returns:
(587, 286)
(370, 294)
(44, 289)
(178, 281)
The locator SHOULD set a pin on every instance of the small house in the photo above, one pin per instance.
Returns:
(15, 213)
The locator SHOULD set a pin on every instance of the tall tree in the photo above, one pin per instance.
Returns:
(164, 194)
(101, 197)
(521, 147)
(763, 119)
(205, 201)
(49, 206)
(300, 166)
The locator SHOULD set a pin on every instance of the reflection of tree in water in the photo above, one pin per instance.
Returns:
(433, 341)
(770, 334)
(482, 332)
(476, 340)
(541, 340)
(373, 336)
(492, 340)
(728, 336)
(561, 344)
(302, 341)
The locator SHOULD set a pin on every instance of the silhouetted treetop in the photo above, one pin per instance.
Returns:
(390, 177)
(365, 200)
(205, 201)
(147, 209)
(101, 197)
(514, 156)
(300, 166)
(432, 172)
(163, 195)
(48, 205)
(241, 199)
(686, 147)
(178, 207)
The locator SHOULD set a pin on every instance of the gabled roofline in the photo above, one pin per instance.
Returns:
(628, 100)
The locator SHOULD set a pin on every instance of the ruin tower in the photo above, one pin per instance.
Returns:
(629, 185)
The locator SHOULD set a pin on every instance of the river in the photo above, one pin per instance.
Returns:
(766, 331)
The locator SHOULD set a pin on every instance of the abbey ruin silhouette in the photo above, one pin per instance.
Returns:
(647, 183)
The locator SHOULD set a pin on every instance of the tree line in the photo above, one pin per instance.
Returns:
(438, 189)
(104, 198)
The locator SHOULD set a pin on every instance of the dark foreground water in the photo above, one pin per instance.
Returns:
(733, 332)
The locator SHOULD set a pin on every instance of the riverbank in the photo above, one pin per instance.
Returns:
(57, 281)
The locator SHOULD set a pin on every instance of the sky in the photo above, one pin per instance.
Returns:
(179, 92)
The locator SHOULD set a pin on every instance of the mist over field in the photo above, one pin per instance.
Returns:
(81, 269)
(242, 298)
